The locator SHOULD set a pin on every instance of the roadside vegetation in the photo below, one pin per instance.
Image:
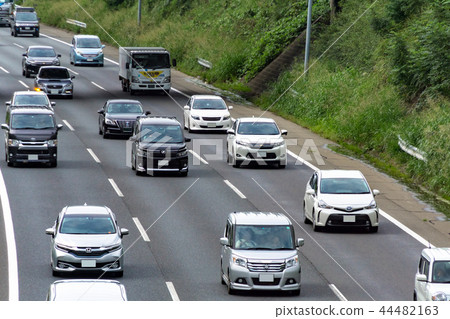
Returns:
(387, 76)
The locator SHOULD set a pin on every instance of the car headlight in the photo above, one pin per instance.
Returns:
(372, 204)
(240, 261)
(113, 247)
(13, 142)
(182, 153)
(322, 204)
(278, 143)
(110, 122)
(292, 262)
(243, 143)
(52, 142)
(31, 62)
(141, 152)
(134, 79)
(68, 85)
(166, 79)
(63, 248)
(225, 118)
(195, 117)
(439, 296)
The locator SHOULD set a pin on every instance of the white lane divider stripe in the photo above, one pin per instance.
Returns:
(4, 70)
(76, 73)
(172, 291)
(141, 229)
(13, 272)
(198, 157)
(298, 158)
(24, 84)
(116, 188)
(234, 188)
(18, 45)
(96, 159)
(68, 125)
(337, 292)
(100, 87)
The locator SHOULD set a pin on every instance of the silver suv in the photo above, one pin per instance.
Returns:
(260, 252)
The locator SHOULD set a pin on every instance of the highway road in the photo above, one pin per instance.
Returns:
(184, 217)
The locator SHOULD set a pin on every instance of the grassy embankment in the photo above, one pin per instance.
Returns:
(386, 77)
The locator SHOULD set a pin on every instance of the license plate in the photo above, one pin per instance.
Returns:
(54, 91)
(90, 60)
(262, 154)
(266, 277)
(211, 124)
(162, 163)
(27, 28)
(349, 219)
(32, 157)
(88, 263)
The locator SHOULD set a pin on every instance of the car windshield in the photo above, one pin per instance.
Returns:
(41, 52)
(263, 237)
(151, 61)
(161, 134)
(258, 128)
(32, 121)
(30, 100)
(89, 43)
(344, 186)
(213, 104)
(26, 16)
(87, 224)
(56, 74)
(441, 271)
(125, 108)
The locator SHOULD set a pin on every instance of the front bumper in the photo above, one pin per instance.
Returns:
(261, 155)
(145, 86)
(149, 164)
(56, 90)
(32, 154)
(210, 125)
(89, 59)
(26, 29)
(68, 262)
(336, 218)
(122, 128)
(243, 279)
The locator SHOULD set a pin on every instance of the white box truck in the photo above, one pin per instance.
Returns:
(145, 69)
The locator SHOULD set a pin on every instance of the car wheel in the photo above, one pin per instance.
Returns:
(281, 166)
(183, 174)
(105, 135)
(36, 34)
(23, 71)
(133, 163)
(118, 274)
(100, 130)
(132, 92)
(415, 296)
(230, 290)
(53, 163)
(27, 74)
(236, 163)
(295, 292)
(373, 229)
(70, 97)
(189, 126)
(221, 274)
(305, 219)
(15, 34)
(315, 227)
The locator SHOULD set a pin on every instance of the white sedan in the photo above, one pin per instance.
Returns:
(340, 198)
(257, 140)
(207, 112)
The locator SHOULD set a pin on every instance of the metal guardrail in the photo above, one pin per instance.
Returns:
(411, 150)
(75, 22)
(204, 63)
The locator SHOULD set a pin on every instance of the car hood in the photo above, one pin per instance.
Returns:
(265, 255)
(19, 22)
(42, 59)
(210, 113)
(346, 200)
(53, 81)
(266, 139)
(91, 240)
(30, 134)
(89, 50)
(174, 147)
(435, 287)
(122, 116)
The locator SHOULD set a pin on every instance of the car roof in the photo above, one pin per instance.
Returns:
(32, 109)
(29, 93)
(158, 120)
(87, 209)
(437, 254)
(53, 67)
(40, 47)
(341, 173)
(259, 218)
(88, 290)
(207, 96)
(78, 36)
(256, 119)
(123, 101)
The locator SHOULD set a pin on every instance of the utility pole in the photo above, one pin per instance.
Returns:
(139, 13)
(308, 34)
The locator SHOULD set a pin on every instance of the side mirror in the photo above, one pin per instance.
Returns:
(148, 112)
(5, 127)
(59, 126)
(174, 62)
(124, 231)
(186, 107)
(52, 103)
(230, 107)
(101, 111)
(231, 131)
(24, 54)
(421, 277)
(283, 132)
(50, 231)
(72, 77)
(187, 139)
(375, 192)
(311, 192)
(133, 138)
(59, 55)
(103, 46)
(224, 241)
(300, 242)
(8, 103)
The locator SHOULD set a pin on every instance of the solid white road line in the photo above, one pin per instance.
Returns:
(116, 188)
(4, 70)
(96, 159)
(172, 291)
(337, 292)
(102, 88)
(298, 158)
(199, 157)
(18, 45)
(141, 229)
(13, 273)
(68, 125)
(237, 191)
(76, 73)
(24, 84)
(179, 92)
(55, 39)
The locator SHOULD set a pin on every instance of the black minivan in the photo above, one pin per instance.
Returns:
(31, 135)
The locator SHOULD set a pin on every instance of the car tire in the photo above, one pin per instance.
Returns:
(133, 163)
(132, 92)
(189, 126)
(183, 174)
(118, 274)
(315, 227)
(15, 34)
(36, 34)
(230, 290)
(105, 135)
(295, 292)
(305, 219)
(236, 163)
(414, 296)
(373, 229)
(27, 74)
(53, 163)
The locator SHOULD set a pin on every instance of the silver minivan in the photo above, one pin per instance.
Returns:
(260, 252)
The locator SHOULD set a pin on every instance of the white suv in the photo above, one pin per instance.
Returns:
(432, 282)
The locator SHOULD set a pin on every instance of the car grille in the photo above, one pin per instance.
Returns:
(257, 282)
(268, 156)
(126, 124)
(32, 152)
(54, 86)
(89, 55)
(338, 220)
(266, 267)
(348, 211)
(213, 119)
(265, 146)
(212, 128)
